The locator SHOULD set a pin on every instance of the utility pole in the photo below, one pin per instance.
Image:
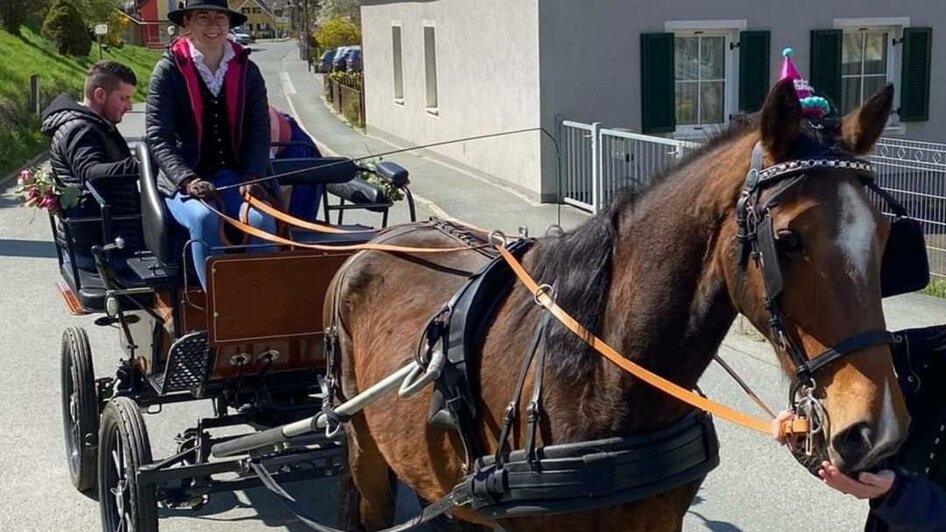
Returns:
(305, 25)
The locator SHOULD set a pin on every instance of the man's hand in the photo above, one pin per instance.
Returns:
(867, 485)
(200, 189)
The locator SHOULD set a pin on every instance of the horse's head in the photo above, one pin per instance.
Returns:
(808, 274)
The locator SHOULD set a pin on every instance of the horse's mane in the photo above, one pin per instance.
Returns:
(578, 264)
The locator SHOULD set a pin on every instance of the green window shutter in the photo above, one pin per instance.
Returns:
(658, 113)
(753, 69)
(915, 75)
(826, 64)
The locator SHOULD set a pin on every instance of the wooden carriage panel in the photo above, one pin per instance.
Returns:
(233, 360)
(253, 299)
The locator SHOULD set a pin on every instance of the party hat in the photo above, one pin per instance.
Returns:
(812, 106)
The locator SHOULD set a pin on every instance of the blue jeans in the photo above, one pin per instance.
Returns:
(204, 226)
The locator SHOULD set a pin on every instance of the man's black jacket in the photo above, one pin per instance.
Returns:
(85, 146)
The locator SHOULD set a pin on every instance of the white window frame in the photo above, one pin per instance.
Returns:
(433, 110)
(894, 27)
(398, 62)
(729, 29)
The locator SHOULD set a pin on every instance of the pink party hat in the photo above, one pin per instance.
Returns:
(813, 106)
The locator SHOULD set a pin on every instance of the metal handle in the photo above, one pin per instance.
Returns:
(410, 386)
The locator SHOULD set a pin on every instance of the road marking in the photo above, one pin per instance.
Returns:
(286, 82)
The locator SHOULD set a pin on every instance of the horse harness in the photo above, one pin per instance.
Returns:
(535, 480)
(905, 267)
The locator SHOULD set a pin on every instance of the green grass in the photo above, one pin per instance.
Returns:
(937, 287)
(29, 54)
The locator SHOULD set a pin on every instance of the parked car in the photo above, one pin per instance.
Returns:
(340, 64)
(354, 60)
(324, 64)
(240, 35)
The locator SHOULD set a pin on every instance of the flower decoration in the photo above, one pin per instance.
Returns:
(40, 190)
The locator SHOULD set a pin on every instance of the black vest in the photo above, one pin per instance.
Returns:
(216, 146)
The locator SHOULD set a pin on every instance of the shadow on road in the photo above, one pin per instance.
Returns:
(37, 249)
(715, 526)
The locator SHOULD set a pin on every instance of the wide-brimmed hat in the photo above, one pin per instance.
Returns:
(177, 16)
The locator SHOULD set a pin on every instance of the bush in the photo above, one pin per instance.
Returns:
(338, 32)
(65, 27)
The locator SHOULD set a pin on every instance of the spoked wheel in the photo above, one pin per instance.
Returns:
(123, 448)
(80, 413)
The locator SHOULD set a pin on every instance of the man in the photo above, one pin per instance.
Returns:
(910, 495)
(86, 145)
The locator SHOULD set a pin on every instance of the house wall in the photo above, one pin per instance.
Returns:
(488, 82)
(505, 65)
(590, 50)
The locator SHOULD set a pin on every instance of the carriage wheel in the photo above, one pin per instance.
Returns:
(126, 506)
(80, 413)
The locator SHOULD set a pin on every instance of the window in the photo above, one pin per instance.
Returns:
(398, 64)
(865, 65)
(430, 68)
(700, 79)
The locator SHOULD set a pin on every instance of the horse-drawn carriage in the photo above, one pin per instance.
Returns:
(507, 415)
(252, 345)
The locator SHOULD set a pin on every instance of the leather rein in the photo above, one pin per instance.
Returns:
(541, 293)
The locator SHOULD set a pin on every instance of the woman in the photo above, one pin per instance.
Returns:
(208, 125)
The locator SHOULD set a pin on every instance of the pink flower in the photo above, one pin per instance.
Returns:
(32, 193)
(26, 178)
(52, 205)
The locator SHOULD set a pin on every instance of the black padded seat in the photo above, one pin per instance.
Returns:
(360, 192)
(89, 288)
(304, 236)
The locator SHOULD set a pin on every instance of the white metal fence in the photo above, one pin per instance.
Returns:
(598, 161)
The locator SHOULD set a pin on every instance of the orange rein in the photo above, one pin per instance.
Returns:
(792, 427)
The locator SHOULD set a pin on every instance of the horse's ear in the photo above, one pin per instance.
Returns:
(863, 126)
(781, 119)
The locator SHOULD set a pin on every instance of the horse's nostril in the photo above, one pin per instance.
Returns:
(853, 445)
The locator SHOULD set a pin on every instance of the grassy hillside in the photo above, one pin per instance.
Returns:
(30, 54)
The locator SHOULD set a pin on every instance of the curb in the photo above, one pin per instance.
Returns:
(324, 148)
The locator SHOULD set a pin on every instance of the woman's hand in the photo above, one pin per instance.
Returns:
(254, 190)
(867, 485)
(776, 429)
(200, 189)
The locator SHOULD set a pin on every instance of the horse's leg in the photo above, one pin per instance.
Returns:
(371, 477)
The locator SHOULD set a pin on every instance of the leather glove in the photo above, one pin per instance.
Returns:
(200, 189)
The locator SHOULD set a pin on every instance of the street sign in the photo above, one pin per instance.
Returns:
(101, 29)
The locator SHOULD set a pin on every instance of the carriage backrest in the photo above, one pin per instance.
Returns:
(156, 221)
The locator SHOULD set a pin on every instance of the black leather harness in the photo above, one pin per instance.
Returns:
(557, 478)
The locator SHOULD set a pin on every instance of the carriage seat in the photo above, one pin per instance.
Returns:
(393, 172)
(162, 236)
(90, 290)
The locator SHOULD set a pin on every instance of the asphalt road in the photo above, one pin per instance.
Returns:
(758, 487)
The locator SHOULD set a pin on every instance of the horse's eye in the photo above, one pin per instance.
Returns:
(789, 242)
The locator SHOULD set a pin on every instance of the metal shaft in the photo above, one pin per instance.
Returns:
(284, 433)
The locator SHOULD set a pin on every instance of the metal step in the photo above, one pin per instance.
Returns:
(187, 367)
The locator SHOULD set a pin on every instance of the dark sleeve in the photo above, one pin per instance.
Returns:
(160, 124)
(87, 153)
(914, 503)
(254, 150)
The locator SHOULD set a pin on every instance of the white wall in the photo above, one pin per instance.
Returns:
(487, 69)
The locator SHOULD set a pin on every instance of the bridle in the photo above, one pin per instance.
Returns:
(756, 238)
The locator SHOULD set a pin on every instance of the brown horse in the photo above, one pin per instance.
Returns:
(658, 278)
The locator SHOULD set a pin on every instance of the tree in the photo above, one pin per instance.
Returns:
(344, 9)
(13, 13)
(65, 26)
(337, 32)
(97, 11)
